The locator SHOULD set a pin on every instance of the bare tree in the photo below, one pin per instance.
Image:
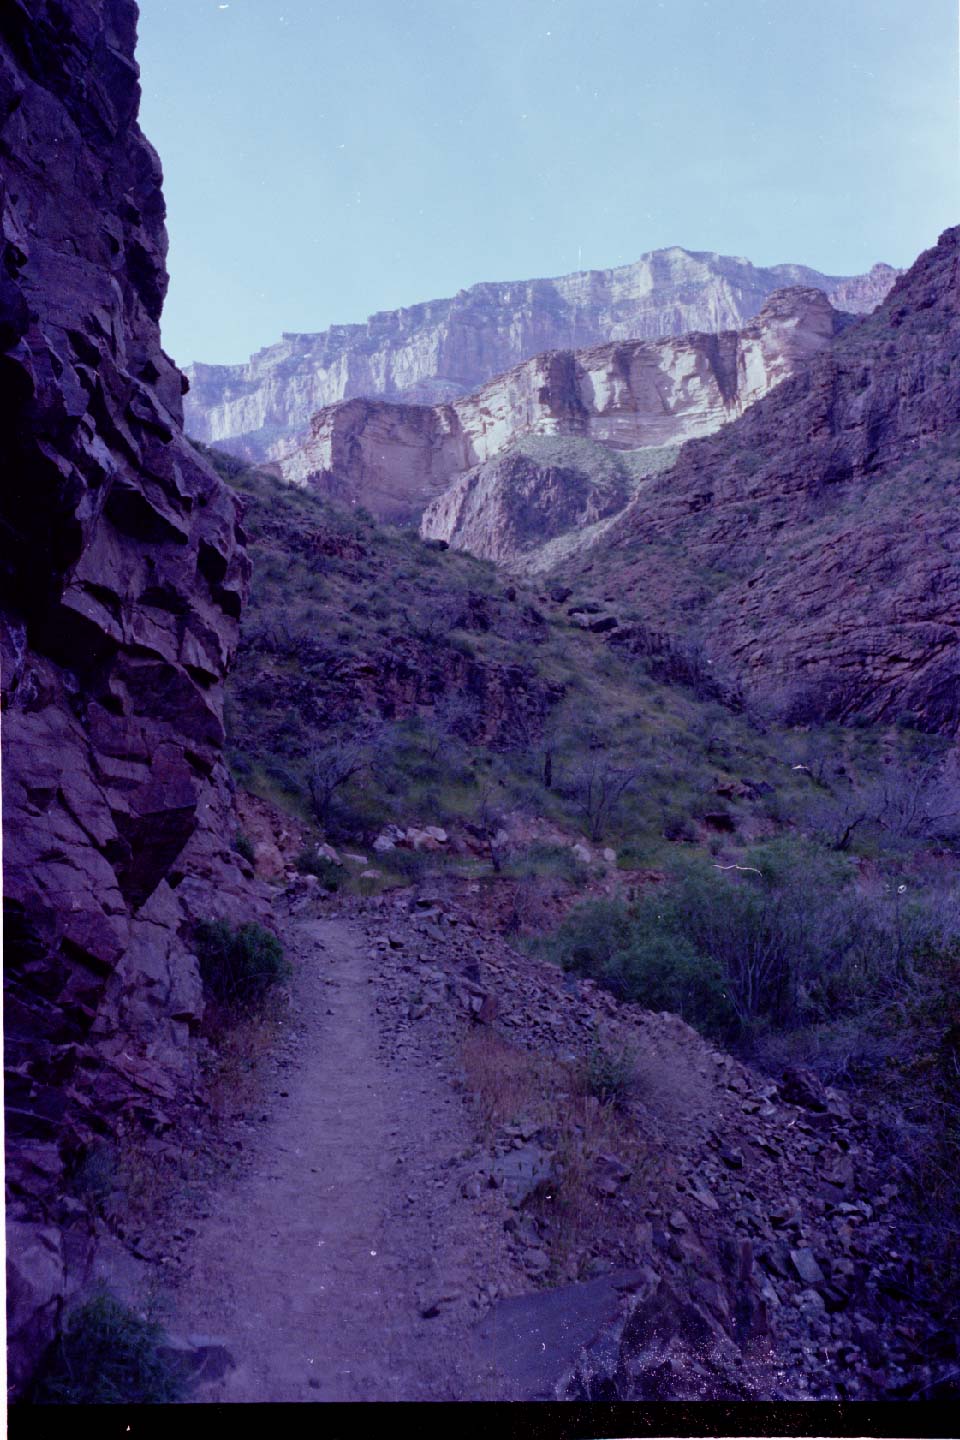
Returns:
(332, 765)
(453, 721)
(918, 802)
(489, 820)
(599, 787)
(907, 802)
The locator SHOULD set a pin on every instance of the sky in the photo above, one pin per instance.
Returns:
(325, 159)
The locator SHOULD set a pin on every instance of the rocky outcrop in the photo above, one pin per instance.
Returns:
(541, 500)
(446, 348)
(122, 581)
(809, 552)
(393, 459)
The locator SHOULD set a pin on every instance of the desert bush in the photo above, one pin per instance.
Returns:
(607, 1073)
(786, 940)
(243, 846)
(677, 825)
(592, 936)
(238, 966)
(599, 787)
(637, 953)
(95, 1173)
(109, 1355)
(310, 863)
(662, 970)
(409, 865)
(555, 861)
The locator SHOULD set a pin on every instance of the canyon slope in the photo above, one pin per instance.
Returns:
(122, 582)
(394, 459)
(442, 349)
(807, 554)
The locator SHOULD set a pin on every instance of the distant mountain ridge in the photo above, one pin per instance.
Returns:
(442, 349)
(629, 395)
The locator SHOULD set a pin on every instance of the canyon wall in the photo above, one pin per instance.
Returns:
(395, 459)
(808, 553)
(121, 585)
(446, 348)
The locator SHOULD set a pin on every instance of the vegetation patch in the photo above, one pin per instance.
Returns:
(238, 966)
(580, 1110)
(110, 1355)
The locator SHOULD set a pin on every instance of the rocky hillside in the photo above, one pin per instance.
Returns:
(445, 348)
(808, 553)
(729, 1230)
(122, 582)
(632, 395)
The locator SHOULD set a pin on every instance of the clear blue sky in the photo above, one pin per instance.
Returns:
(328, 158)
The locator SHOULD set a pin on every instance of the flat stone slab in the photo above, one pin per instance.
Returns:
(529, 1342)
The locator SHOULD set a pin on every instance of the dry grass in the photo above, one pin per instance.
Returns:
(509, 1085)
(155, 1182)
(241, 1047)
(143, 1181)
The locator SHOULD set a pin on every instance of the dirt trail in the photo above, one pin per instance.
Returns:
(318, 1259)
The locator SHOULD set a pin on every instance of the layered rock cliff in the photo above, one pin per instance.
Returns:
(446, 348)
(633, 394)
(121, 586)
(809, 552)
(642, 400)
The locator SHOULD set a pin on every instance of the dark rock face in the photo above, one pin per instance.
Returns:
(121, 584)
(809, 551)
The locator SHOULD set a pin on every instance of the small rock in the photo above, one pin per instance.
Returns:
(536, 1262)
(805, 1264)
(731, 1157)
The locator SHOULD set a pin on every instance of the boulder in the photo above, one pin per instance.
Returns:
(35, 1284)
(520, 1172)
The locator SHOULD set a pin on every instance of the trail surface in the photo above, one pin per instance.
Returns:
(342, 1262)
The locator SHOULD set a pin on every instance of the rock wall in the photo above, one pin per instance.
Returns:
(395, 459)
(446, 348)
(122, 579)
(810, 550)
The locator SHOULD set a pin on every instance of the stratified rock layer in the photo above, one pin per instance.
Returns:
(394, 459)
(809, 552)
(121, 586)
(446, 348)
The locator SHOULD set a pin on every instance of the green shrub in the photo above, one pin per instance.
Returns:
(591, 936)
(95, 1173)
(608, 1074)
(637, 953)
(239, 966)
(243, 845)
(407, 864)
(551, 860)
(677, 825)
(109, 1355)
(310, 863)
(661, 970)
